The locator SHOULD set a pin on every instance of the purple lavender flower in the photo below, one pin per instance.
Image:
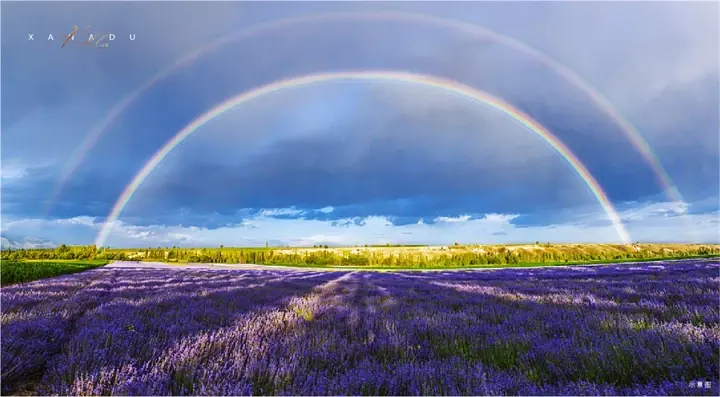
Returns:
(650, 329)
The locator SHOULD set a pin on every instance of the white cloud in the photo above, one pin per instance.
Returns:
(12, 172)
(499, 218)
(645, 222)
(459, 219)
(644, 211)
(28, 243)
(79, 220)
(271, 212)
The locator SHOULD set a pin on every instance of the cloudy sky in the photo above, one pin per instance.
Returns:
(345, 161)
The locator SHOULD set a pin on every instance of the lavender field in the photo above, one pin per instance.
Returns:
(623, 329)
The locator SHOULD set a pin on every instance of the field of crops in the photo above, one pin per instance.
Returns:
(381, 257)
(641, 329)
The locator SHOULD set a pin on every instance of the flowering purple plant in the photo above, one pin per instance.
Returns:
(640, 329)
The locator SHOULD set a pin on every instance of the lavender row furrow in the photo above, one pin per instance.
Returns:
(626, 329)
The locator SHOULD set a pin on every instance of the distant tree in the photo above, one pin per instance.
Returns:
(325, 246)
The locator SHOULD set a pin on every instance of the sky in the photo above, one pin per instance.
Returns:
(347, 161)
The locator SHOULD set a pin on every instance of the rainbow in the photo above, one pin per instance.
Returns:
(424, 80)
(97, 131)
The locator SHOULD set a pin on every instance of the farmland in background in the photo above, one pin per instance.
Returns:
(385, 256)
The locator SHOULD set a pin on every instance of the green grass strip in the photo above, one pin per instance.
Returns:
(13, 272)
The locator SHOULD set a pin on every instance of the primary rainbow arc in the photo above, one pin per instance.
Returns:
(414, 78)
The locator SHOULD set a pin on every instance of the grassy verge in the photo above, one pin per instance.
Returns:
(489, 266)
(12, 272)
(75, 261)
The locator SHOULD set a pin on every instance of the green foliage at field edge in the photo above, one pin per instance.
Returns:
(12, 272)
(454, 256)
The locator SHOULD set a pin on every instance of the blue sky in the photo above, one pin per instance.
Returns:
(350, 162)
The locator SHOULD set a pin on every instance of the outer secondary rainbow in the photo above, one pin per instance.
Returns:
(601, 101)
(424, 80)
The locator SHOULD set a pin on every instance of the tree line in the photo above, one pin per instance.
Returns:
(452, 256)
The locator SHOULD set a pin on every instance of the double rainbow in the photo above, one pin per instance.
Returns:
(631, 133)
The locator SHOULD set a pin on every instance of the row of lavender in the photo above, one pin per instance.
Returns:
(625, 329)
